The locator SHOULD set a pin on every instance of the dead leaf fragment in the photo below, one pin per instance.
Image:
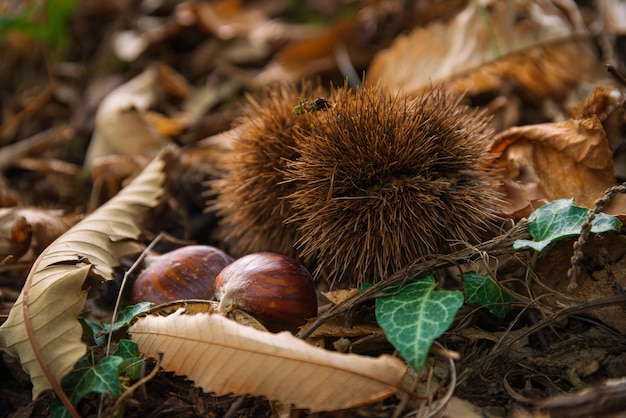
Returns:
(224, 357)
(121, 125)
(22, 229)
(556, 160)
(53, 292)
(542, 47)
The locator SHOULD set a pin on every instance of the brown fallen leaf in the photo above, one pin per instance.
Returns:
(303, 58)
(542, 47)
(608, 105)
(228, 19)
(337, 296)
(42, 328)
(348, 45)
(29, 228)
(550, 161)
(224, 357)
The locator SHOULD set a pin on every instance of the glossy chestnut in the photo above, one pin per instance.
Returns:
(185, 273)
(275, 289)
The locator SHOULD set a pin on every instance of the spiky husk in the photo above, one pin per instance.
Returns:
(250, 196)
(383, 180)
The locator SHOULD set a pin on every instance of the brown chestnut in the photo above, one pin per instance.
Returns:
(273, 288)
(185, 273)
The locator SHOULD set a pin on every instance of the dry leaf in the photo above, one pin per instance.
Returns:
(228, 19)
(556, 160)
(339, 295)
(540, 46)
(608, 105)
(22, 229)
(348, 45)
(306, 57)
(224, 357)
(458, 407)
(54, 287)
(121, 126)
(337, 328)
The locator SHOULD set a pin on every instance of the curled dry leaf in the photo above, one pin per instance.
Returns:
(540, 46)
(121, 125)
(550, 161)
(24, 229)
(48, 339)
(224, 357)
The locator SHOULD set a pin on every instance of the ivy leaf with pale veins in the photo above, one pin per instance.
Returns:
(484, 291)
(89, 377)
(415, 315)
(128, 351)
(560, 219)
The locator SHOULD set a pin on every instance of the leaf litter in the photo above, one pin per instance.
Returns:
(84, 113)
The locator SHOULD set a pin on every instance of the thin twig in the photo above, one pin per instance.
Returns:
(585, 229)
(504, 345)
(235, 407)
(30, 109)
(618, 76)
(132, 268)
(138, 383)
(35, 144)
(419, 268)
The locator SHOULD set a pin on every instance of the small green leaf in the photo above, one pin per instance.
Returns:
(483, 290)
(131, 365)
(127, 315)
(127, 349)
(102, 377)
(88, 377)
(415, 315)
(93, 330)
(560, 219)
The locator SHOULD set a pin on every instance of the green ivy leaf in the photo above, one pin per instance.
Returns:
(87, 377)
(128, 351)
(560, 219)
(93, 331)
(415, 315)
(484, 291)
(127, 315)
(101, 377)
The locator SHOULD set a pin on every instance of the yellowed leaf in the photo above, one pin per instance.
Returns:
(540, 46)
(54, 293)
(224, 357)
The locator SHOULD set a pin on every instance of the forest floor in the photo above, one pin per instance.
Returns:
(93, 90)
